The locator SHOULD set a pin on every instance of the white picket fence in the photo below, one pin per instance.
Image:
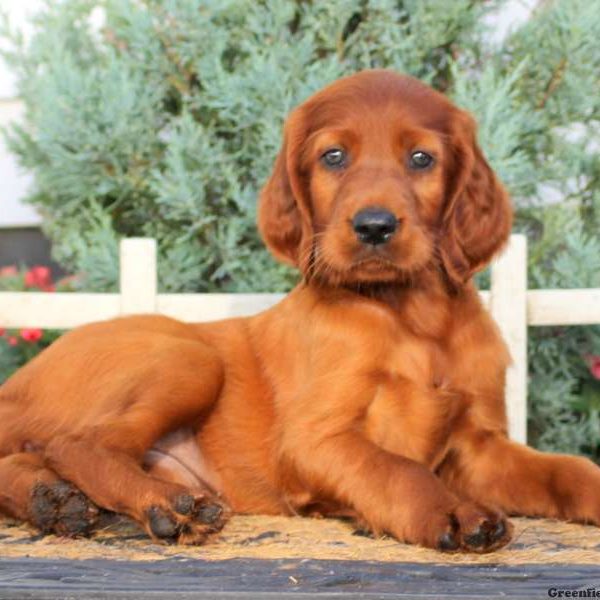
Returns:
(512, 305)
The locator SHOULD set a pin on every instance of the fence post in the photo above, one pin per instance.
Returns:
(138, 276)
(509, 308)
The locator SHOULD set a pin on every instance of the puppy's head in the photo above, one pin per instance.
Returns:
(379, 179)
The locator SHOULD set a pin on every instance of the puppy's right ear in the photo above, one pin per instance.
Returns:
(283, 216)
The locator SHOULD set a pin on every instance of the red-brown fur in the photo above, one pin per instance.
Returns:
(374, 389)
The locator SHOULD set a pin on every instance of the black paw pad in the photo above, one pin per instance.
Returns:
(43, 508)
(477, 539)
(77, 516)
(448, 542)
(184, 504)
(62, 490)
(163, 526)
(209, 513)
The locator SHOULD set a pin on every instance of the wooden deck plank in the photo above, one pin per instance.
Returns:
(250, 579)
(292, 558)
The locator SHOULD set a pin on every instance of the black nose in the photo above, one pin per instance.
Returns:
(374, 225)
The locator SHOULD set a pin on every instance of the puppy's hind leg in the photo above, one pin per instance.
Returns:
(105, 459)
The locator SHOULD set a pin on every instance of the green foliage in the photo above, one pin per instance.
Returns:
(164, 120)
(558, 88)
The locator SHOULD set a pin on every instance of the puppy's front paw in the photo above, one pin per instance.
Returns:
(466, 527)
(480, 529)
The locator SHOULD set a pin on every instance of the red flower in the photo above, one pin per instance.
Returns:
(593, 363)
(2, 331)
(31, 335)
(39, 277)
(10, 271)
(12, 341)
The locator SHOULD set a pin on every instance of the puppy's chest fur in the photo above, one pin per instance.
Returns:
(416, 406)
(420, 396)
(404, 375)
(413, 420)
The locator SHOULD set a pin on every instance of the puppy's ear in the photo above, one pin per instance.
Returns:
(284, 214)
(477, 217)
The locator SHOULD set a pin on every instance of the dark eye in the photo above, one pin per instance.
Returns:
(420, 160)
(334, 158)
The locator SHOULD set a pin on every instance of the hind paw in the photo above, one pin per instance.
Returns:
(189, 519)
(60, 508)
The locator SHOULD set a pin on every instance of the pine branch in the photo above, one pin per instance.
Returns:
(553, 82)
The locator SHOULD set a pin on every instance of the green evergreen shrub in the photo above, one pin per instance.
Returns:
(162, 118)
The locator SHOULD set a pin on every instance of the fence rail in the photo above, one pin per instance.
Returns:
(512, 305)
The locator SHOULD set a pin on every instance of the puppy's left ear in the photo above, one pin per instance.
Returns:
(477, 216)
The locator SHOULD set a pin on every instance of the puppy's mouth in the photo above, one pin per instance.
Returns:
(370, 269)
(374, 264)
(361, 265)
(375, 259)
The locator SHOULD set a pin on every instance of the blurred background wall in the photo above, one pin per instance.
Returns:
(21, 240)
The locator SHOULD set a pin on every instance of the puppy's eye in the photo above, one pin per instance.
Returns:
(420, 160)
(334, 158)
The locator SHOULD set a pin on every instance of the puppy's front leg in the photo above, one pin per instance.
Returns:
(523, 481)
(393, 494)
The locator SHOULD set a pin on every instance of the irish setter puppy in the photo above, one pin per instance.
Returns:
(375, 389)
